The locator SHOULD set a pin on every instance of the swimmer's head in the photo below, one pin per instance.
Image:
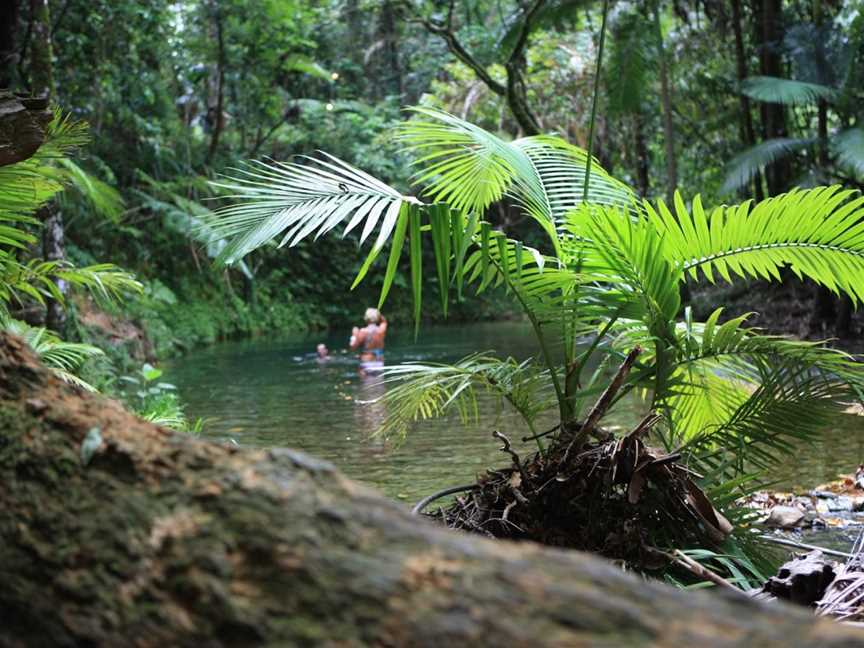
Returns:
(322, 350)
(372, 316)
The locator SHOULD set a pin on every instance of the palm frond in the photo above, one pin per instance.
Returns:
(38, 279)
(818, 233)
(470, 168)
(427, 391)
(460, 163)
(789, 405)
(630, 60)
(104, 199)
(849, 148)
(787, 91)
(64, 358)
(293, 201)
(561, 168)
(744, 166)
(631, 255)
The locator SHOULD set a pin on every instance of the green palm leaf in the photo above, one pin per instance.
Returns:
(425, 391)
(788, 405)
(744, 166)
(293, 201)
(64, 358)
(470, 169)
(818, 233)
(849, 148)
(786, 91)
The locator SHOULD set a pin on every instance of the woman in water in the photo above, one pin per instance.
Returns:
(370, 340)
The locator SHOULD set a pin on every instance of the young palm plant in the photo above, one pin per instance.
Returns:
(723, 400)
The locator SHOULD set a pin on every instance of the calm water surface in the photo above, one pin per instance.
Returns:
(274, 392)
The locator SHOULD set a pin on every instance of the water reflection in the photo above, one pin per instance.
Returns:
(276, 393)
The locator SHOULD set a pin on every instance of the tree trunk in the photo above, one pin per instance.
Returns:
(643, 183)
(53, 250)
(822, 133)
(388, 33)
(769, 28)
(115, 532)
(8, 51)
(217, 84)
(748, 134)
(666, 102)
(41, 68)
(42, 85)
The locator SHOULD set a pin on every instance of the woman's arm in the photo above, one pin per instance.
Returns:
(358, 336)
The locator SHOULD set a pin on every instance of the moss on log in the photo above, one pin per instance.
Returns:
(160, 539)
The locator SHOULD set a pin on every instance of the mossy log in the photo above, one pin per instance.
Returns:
(116, 532)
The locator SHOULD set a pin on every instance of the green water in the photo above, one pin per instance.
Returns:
(273, 392)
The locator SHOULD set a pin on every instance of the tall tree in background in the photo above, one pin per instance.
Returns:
(8, 54)
(386, 47)
(42, 85)
(769, 30)
(514, 43)
(666, 103)
(628, 88)
(216, 98)
(748, 133)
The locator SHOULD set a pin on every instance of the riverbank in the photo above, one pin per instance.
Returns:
(829, 515)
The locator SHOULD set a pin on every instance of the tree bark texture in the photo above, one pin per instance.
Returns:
(115, 532)
(41, 69)
(22, 126)
(53, 250)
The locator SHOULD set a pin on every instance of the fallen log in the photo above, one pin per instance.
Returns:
(116, 532)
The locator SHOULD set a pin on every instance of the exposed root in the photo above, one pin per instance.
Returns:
(616, 497)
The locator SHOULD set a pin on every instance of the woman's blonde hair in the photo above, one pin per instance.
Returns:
(372, 316)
